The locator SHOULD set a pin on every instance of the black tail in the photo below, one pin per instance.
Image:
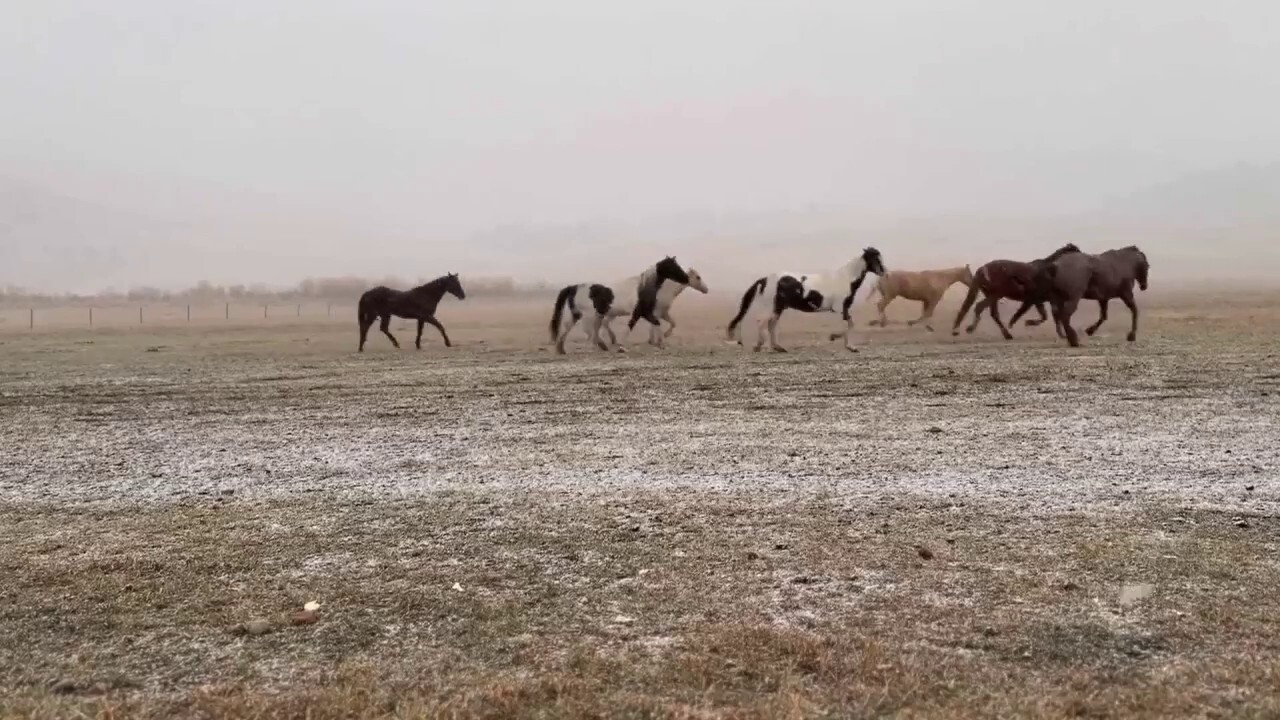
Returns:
(756, 289)
(362, 313)
(564, 298)
(974, 289)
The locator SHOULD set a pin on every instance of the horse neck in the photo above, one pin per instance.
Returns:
(433, 290)
(952, 275)
(849, 272)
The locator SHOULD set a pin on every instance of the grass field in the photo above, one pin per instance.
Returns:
(933, 527)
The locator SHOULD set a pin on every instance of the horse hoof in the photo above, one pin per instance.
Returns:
(779, 349)
(929, 328)
(1089, 331)
(1131, 337)
(851, 349)
(1008, 337)
(835, 337)
(955, 333)
(968, 331)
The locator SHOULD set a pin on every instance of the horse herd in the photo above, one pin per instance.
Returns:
(1060, 280)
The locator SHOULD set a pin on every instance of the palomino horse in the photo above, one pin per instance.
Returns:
(1007, 279)
(1102, 277)
(667, 294)
(638, 300)
(417, 304)
(805, 292)
(926, 286)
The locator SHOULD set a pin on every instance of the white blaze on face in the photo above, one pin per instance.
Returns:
(696, 282)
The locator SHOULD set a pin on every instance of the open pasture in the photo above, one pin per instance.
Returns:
(934, 526)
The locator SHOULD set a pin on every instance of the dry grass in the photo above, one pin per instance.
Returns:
(931, 528)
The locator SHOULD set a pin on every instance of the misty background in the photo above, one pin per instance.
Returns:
(160, 143)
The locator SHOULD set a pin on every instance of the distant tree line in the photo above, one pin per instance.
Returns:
(329, 289)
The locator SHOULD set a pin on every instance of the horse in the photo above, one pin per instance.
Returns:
(925, 286)
(638, 299)
(667, 294)
(417, 304)
(1007, 279)
(805, 293)
(1101, 277)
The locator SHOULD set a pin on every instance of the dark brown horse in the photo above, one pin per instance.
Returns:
(1010, 279)
(417, 304)
(1102, 277)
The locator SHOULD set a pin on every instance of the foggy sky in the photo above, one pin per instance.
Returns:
(426, 122)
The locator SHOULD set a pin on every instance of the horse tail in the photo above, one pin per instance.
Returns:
(974, 288)
(557, 314)
(756, 289)
(363, 312)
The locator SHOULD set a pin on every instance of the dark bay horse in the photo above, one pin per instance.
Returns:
(416, 304)
(1010, 279)
(1101, 277)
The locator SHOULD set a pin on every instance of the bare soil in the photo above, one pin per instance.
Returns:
(932, 527)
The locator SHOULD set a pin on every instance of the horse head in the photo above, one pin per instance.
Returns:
(872, 261)
(668, 269)
(966, 277)
(696, 282)
(453, 286)
(1140, 267)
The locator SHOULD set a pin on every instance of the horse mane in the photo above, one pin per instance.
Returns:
(431, 285)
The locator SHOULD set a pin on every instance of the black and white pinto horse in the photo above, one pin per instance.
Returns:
(834, 291)
(638, 299)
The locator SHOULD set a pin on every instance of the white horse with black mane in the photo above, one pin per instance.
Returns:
(640, 296)
(834, 291)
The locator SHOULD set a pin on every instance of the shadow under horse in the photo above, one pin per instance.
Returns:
(417, 304)
(1014, 280)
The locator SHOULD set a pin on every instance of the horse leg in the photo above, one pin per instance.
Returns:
(1064, 313)
(564, 334)
(386, 330)
(671, 323)
(883, 320)
(762, 327)
(773, 333)
(1022, 310)
(1040, 309)
(607, 324)
(436, 324)
(596, 323)
(1127, 298)
(418, 340)
(926, 313)
(995, 315)
(978, 309)
(365, 324)
(1102, 317)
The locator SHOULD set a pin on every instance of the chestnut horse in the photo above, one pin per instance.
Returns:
(1101, 277)
(1010, 279)
(925, 286)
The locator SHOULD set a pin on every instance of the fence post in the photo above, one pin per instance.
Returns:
(299, 309)
(139, 314)
(328, 311)
(227, 312)
(188, 313)
(90, 316)
(264, 312)
(32, 319)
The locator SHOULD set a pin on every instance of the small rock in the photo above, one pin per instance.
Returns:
(457, 587)
(951, 541)
(1249, 488)
(924, 552)
(802, 580)
(934, 430)
(1124, 492)
(1241, 523)
(635, 528)
(753, 555)
(229, 491)
(1070, 586)
(990, 632)
(63, 687)
(623, 619)
(781, 546)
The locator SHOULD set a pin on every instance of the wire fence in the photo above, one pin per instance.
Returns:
(169, 314)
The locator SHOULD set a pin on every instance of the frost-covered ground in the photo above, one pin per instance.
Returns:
(798, 532)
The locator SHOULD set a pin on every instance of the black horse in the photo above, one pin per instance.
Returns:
(416, 304)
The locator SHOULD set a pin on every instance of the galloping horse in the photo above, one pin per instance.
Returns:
(926, 286)
(1101, 277)
(628, 291)
(805, 292)
(639, 300)
(417, 304)
(1007, 279)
